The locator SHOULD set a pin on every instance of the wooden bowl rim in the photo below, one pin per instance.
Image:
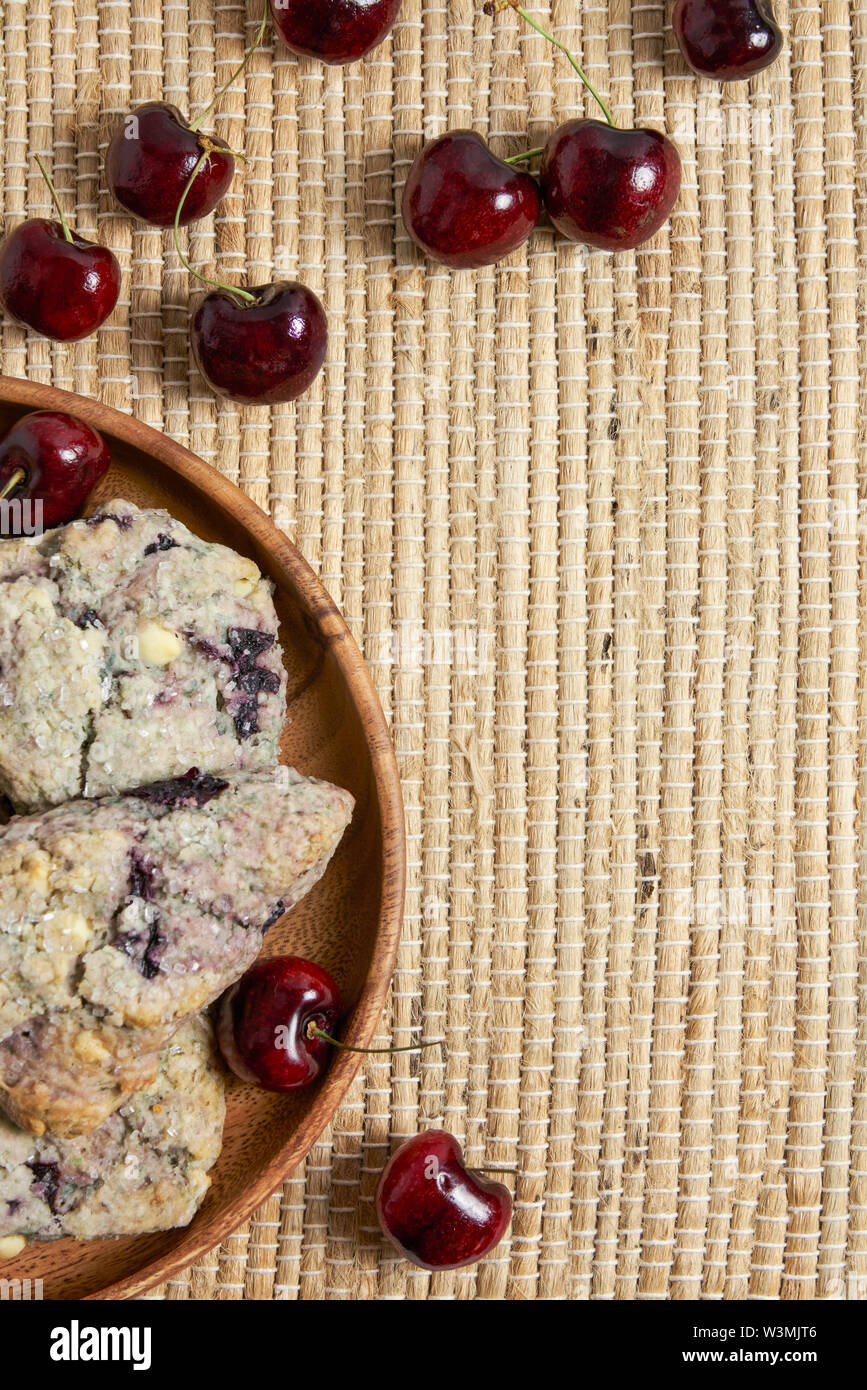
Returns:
(317, 602)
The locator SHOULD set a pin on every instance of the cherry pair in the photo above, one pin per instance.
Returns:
(607, 187)
(275, 1029)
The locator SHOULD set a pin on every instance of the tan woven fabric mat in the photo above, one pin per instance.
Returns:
(598, 524)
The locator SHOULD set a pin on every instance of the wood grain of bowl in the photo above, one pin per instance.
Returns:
(350, 923)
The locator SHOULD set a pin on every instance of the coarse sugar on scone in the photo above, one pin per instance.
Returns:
(144, 1169)
(120, 917)
(130, 651)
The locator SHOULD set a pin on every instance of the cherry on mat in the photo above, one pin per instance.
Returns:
(609, 188)
(56, 282)
(465, 207)
(729, 40)
(54, 459)
(154, 151)
(334, 31)
(439, 1213)
(150, 158)
(260, 346)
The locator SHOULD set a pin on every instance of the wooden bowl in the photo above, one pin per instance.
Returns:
(350, 923)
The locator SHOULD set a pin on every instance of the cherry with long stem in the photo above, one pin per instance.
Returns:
(152, 151)
(495, 6)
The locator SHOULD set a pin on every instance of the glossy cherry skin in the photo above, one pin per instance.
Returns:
(727, 39)
(62, 459)
(608, 187)
(464, 207)
(262, 1023)
(335, 31)
(439, 1213)
(260, 353)
(150, 161)
(61, 289)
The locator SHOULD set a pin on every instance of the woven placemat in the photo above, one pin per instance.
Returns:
(598, 525)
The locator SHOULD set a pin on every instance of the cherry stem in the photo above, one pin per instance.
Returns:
(534, 24)
(217, 284)
(528, 154)
(208, 144)
(53, 191)
(314, 1032)
(194, 125)
(11, 483)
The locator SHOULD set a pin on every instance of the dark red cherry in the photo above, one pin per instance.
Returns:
(727, 39)
(264, 351)
(465, 207)
(54, 459)
(61, 286)
(263, 1023)
(150, 160)
(335, 31)
(439, 1213)
(608, 187)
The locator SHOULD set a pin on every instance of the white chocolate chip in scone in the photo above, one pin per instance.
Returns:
(88, 1047)
(79, 879)
(158, 645)
(40, 968)
(10, 1246)
(40, 597)
(75, 930)
(93, 640)
(36, 867)
(247, 580)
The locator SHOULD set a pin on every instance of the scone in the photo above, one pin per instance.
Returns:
(144, 1169)
(120, 917)
(130, 651)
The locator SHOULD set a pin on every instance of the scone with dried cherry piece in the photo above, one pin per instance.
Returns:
(130, 651)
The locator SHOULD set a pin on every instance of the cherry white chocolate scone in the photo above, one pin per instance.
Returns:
(130, 651)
